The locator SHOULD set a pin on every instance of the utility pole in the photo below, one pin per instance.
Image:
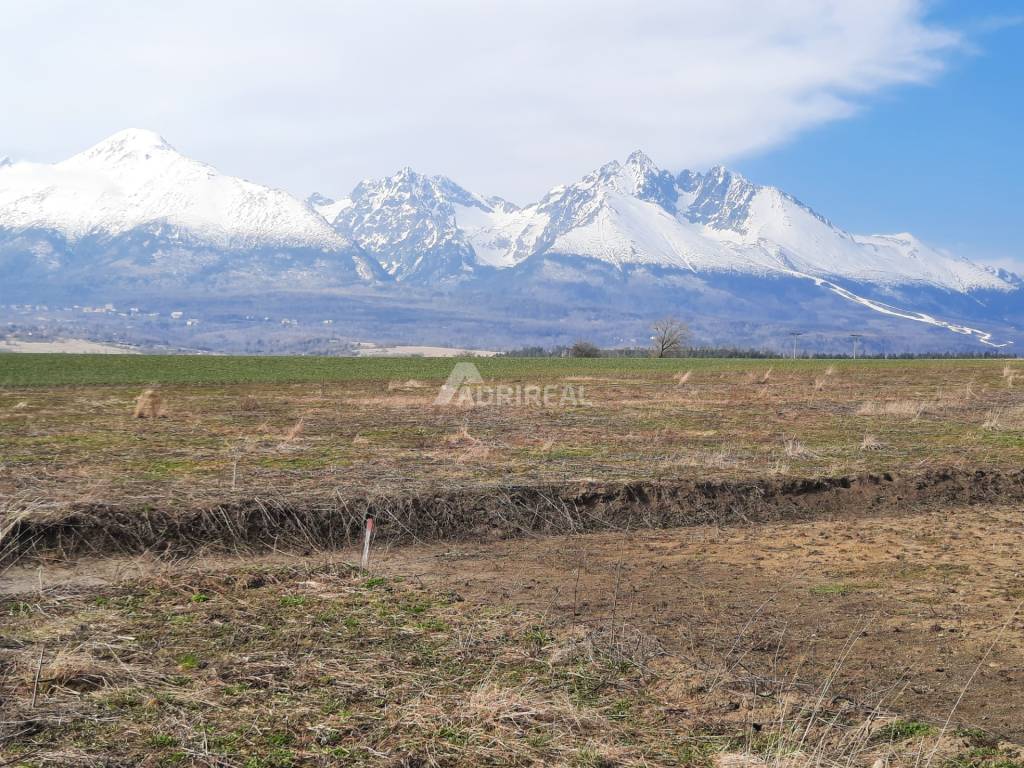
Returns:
(855, 337)
(795, 335)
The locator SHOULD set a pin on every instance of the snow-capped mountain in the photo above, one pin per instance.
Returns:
(418, 227)
(135, 179)
(137, 208)
(635, 213)
(133, 214)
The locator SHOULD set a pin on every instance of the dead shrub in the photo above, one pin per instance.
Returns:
(149, 405)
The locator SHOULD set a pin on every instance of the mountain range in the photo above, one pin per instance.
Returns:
(412, 257)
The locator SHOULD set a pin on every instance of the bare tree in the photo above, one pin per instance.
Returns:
(584, 348)
(670, 337)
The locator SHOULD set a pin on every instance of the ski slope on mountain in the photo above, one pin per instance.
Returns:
(635, 213)
(132, 214)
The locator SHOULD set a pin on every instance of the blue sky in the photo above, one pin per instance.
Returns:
(884, 115)
(943, 160)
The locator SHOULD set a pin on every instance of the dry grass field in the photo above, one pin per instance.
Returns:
(373, 434)
(694, 562)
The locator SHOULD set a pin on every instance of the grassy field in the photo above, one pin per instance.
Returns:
(279, 667)
(827, 501)
(373, 426)
(46, 370)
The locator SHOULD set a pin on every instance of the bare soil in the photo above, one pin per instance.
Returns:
(916, 612)
(911, 609)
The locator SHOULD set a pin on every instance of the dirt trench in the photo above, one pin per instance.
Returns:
(500, 512)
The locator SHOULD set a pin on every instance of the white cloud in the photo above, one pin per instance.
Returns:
(508, 98)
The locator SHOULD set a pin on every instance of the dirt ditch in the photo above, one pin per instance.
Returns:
(482, 513)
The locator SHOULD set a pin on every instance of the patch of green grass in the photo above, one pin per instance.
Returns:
(189, 661)
(432, 625)
(983, 757)
(835, 589)
(901, 730)
(162, 741)
(19, 608)
(588, 757)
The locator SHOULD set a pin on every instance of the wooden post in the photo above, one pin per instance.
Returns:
(367, 536)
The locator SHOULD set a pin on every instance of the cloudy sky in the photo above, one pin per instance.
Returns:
(827, 98)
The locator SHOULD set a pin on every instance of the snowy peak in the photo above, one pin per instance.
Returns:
(650, 183)
(5, 161)
(128, 147)
(135, 180)
(408, 222)
(720, 198)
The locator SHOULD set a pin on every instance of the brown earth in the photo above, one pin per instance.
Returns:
(495, 512)
(903, 611)
(924, 605)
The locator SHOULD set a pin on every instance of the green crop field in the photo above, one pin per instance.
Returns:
(43, 370)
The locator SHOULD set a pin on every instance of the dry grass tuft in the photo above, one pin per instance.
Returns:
(992, 420)
(149, 405)
(712, 459)
(521, 707)
(405, 385)
(461, 439)
(754, 378)
(75, 670)
(295, 432)
(477, 452)
(900, 408)
(871, 443)
(797, 450)
(1004, 418)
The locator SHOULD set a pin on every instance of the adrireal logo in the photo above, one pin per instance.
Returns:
(465, 387)
(462, 373)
